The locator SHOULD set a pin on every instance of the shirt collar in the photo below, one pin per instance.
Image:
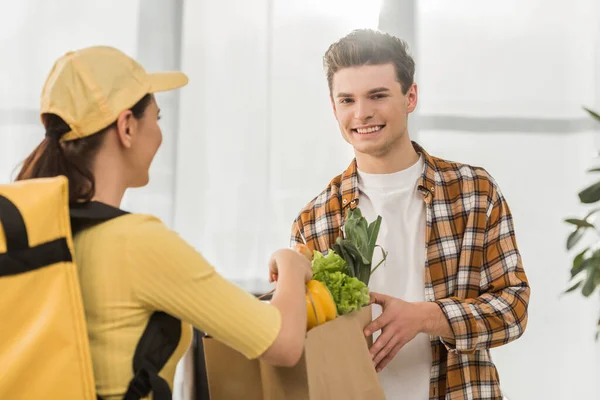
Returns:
(425, 183)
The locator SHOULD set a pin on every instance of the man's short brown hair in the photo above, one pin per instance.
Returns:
(370, 47)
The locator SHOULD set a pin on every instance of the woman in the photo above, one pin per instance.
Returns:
(102, 133)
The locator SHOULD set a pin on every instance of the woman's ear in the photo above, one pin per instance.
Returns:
(126, 128)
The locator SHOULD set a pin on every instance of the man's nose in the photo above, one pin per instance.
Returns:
(363, 111)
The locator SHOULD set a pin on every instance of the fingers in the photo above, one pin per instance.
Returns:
(377, 324)
(273, 269)
(304, 250)
(308, 277)
(389, 346)
(380, 344)
(289, 261)
(377, 298)
(390, 356)
(306, 257)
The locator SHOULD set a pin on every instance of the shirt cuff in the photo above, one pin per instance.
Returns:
(463, 325)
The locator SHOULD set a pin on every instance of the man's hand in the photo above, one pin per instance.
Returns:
(400, 322)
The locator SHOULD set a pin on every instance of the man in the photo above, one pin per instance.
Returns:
(453, 285)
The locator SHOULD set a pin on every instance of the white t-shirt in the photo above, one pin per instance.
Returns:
(395, 197)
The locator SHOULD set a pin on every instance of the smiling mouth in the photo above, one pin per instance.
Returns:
(368, 131)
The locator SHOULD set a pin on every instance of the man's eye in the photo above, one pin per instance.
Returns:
(345, 101)
(379, 96)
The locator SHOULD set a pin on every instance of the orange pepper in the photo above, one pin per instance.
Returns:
(322, 307)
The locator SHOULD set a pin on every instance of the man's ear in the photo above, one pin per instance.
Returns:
(126, 128)
(412, 97)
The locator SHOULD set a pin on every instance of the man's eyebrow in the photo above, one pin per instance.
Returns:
(370, 92)
(378, 90)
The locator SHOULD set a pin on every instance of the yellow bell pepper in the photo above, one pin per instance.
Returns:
(322, 307)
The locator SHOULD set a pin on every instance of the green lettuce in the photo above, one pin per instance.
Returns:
(349, 293)
(326, 264)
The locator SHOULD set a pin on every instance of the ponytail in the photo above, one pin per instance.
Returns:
(73, 158)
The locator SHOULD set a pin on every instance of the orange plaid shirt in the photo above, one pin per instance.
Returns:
(473, 268)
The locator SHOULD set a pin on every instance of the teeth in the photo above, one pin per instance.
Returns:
(369, 130)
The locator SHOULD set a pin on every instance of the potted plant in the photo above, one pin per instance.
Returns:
(585, 271)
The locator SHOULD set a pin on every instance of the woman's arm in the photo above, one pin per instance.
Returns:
(171, 276)
(293, 273)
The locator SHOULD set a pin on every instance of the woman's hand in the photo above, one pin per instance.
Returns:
(289, 261)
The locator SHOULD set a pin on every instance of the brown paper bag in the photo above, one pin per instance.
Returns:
(336, 364)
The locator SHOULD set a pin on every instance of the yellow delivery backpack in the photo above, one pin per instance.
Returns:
(44, 347)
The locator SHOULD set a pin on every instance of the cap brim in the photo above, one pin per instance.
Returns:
(164, 81)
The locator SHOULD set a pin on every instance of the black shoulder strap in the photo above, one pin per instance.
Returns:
(157, 344)
(162, 334)
(84, 215)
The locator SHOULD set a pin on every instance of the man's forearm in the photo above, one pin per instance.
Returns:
(434, 321)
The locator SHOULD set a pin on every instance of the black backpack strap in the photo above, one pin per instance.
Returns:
(19, 256)
(162, 334)
(157, 344)
(84, 215)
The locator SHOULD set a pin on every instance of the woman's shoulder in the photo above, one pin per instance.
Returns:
(144, 236)
(128, 227)
(133, 225)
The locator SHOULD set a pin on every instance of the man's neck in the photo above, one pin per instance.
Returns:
(397, 159)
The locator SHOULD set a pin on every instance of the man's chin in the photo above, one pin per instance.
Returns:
(371, 151)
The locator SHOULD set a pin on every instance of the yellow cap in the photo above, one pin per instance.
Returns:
(90, 87)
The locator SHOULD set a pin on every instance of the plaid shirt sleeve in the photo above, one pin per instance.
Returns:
(318, 224)
(296, 237)
(499, 315)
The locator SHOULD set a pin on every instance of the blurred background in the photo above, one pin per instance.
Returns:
(252, 138)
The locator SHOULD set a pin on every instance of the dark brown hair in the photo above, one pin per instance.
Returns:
(369, 47)
(72, 158)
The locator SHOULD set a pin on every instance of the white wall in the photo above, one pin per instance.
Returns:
(33, 34)
(258, 139)
(527, 64)
(530, 58)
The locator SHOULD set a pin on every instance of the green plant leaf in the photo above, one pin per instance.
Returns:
(384, 255)
(373, 232)
(574, 238)
(340, 249)
(578, 263)
(574, 286)
(590, 281)
(591, 194)
(594, 170)
(594, 114)
(579, 222)
(362, 266)
(356, 228)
